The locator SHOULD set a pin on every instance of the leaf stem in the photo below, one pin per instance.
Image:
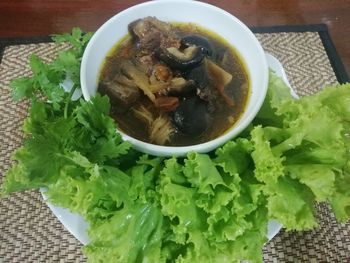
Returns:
(69, 99)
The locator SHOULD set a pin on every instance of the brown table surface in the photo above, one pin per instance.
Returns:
(43, 17)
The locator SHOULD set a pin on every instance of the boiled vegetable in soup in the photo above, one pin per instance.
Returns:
(174, 84)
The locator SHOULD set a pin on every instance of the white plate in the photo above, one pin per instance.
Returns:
(77, 226)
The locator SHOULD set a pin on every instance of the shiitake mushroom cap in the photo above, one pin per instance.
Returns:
(191, 116)
(182, 59)
(198, 41)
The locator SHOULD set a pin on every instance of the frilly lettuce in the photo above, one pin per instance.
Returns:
(305, 158)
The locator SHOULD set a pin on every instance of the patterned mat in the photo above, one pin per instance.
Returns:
(29, 232)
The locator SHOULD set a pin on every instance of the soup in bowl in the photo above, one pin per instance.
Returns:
(177, 81)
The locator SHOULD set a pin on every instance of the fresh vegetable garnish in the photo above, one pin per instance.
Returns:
(203, 208)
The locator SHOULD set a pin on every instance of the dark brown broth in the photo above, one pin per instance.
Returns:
(238, 89)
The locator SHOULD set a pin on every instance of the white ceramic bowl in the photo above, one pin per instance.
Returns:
(205, 15)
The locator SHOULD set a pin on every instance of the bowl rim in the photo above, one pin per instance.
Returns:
(204, 147)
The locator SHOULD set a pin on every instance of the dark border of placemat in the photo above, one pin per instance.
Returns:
(4, 42)
(322, 30)
(326, 39)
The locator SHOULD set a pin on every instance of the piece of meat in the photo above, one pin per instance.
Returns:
(126, 86)
(138, 77)
(153, 34)
(131, 78)
(120, 92)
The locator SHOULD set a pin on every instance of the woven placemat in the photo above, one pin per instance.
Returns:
(29, 232)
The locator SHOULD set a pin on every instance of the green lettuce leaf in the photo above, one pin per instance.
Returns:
(132, 234)
(303, 158)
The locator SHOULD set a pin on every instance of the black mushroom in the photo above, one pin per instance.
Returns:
(198, 41)
(199, 76)
(211, 79)
(182, 59)
(190, 54)
(191, 116)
